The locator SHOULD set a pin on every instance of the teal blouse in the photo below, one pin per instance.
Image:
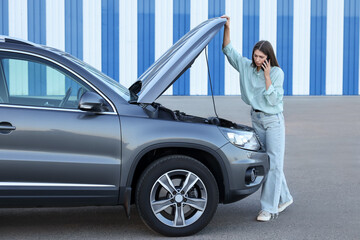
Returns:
(252, 83)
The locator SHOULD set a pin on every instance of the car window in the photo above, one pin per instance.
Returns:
(32, 83)
(120, 89)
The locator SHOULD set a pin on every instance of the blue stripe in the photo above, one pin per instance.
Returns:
(73, 34)
(351, 47)
(146, 34)
(4, 18)
(250, 26)
(216, 57)
(37, 33)
(110, 38)
(4, 30)
(284, 48)
(74, 27)
(181, 21)
(318, 47)
(6, 67)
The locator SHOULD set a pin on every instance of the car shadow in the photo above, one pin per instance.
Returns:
(112, 223)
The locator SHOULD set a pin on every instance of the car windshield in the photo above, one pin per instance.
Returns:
(120, 89)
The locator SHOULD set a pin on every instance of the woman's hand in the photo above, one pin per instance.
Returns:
(266, 66)
(227, 24)
(226, 39)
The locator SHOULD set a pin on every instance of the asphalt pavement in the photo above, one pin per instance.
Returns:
(322, 167)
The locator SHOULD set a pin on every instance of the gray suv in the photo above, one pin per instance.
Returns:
(71, 136)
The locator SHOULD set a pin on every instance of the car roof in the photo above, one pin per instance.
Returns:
(8, 39)
(24, 43)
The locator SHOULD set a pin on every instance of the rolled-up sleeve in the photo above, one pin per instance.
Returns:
(275, 93)
(235, 58)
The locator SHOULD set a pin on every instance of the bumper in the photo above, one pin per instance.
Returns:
(238, 162)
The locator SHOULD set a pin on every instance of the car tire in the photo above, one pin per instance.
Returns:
(191, 196)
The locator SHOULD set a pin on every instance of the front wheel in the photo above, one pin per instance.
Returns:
(177, 196)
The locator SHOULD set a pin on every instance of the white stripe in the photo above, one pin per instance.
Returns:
(128, 42)
(18, 70)
(18, 78)
(163, 30)
(55, 24)
(55, 37)
(18, 19)
(198, 71)
(36, 184)
(334, 53)
(234, 9)
(55, 82)
(268, 21)
(92, 32)
(301, 47)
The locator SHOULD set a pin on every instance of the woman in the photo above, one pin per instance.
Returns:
(261, 84)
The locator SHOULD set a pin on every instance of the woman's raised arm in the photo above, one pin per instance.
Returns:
(226, 39)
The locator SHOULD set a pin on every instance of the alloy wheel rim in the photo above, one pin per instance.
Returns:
(178, 198)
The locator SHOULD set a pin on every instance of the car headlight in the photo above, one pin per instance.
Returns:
(242, 139)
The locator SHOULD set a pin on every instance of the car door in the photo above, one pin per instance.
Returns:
(52, 153)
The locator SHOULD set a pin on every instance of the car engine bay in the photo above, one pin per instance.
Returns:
(157, 111)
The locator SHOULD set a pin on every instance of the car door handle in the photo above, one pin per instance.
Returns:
(12, 128)
(6, 127)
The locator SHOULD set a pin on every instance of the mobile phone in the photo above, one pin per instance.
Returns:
(267, 59)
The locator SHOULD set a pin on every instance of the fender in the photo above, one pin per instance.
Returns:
(215, 154)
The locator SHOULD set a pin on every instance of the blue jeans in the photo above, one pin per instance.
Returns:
(271, 131)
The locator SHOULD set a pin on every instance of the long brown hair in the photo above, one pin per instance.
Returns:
(267, 49)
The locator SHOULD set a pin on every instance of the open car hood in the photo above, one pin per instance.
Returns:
(174, 62)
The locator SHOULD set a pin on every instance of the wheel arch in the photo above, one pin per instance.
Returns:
(207, 156)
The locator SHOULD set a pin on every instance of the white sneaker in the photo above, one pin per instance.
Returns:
(264, 216)
(283, 206)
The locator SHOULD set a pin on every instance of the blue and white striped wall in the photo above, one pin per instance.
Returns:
(316, 41)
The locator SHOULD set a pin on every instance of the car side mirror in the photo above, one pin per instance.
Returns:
(92, 102)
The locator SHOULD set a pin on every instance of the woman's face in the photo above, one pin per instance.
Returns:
(259, 57)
